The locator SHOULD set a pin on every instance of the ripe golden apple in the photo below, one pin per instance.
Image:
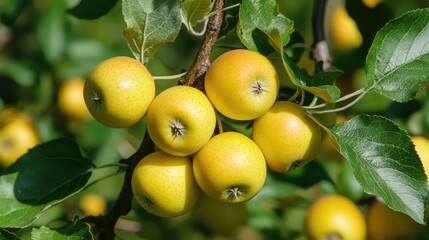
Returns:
(181, 120)
(164, 184)
(118, 92)
(230, 168)
(287, 136)
(335, 217)
(242, 84)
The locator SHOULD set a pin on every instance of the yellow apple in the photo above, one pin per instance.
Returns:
(164, 185)
(92, 204)
(287, 136)
(344, 32)
(230, 168)
(372, 3)
(421, 144)
(118, 92)
(181, 120)
(242, 84)
(70, 99)
(386, 224)
(335, 217)
(17, 135)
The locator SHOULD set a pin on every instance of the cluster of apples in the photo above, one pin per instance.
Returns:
(181, 120)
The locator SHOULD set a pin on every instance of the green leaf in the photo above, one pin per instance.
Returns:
(329, 93)
(6, 235)
(193, 11)
(51, 30)
(150, 24)
(91, 9)
(75, 230)
(46, 175)
(258, 20)
(384, 162)
(397, 62)
(19, 71)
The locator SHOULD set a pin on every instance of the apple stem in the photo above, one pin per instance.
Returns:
(219, 123)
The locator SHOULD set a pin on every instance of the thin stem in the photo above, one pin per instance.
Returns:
(203, 31)
(102, 178)
(295, 95)
(341, 108)
(219, 123)
(343, 98)
(301, 102)
(120, 165)
(170, 77)
(303, 46)
(315, 98)
(222, 10)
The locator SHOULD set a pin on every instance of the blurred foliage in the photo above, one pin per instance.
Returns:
(42, 45)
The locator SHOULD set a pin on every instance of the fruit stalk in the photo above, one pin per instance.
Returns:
(202, 60)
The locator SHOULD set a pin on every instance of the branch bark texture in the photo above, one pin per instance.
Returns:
(201, 63)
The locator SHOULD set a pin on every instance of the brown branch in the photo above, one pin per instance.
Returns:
(202, 62)
(320, 49)
(123, 203)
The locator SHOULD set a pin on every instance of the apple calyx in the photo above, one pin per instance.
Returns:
(257, 88)
(147, 201)
(178, 129)
(96, 97)
(297, 164)
(234, 193)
